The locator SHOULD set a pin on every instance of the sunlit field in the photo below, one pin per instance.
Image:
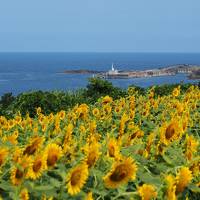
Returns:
(137, 147)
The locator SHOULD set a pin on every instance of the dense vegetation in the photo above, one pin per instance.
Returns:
(54, 101)
(140, 144)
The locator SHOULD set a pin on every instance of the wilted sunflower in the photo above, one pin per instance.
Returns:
(77, 178)
(37, 167)
(24, 194)
(171, 187)
(183, 178)
(121, 173)
(3, 155)
(147, 192)
(53, 153)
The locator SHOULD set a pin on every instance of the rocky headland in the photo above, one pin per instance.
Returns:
(193, 72)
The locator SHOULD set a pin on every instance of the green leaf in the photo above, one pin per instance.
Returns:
(194, 188)
(148, 177)
(6, 186)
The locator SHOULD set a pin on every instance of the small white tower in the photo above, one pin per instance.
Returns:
(113, 69)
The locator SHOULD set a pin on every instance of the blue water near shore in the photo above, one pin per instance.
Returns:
(21, 72)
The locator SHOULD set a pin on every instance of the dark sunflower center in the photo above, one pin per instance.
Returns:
(19, 174)
(81, 115)
(75, 177)
(170, 131)
(30, 150)
(52, 160)
(184, 126)
(119, 174)
(37, 165)
(91, 159)
(133, 135)
(112, 151)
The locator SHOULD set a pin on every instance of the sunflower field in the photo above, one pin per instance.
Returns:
(137, 147)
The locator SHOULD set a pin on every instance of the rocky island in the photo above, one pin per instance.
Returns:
(193, 72)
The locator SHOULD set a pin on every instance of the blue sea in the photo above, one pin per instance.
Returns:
(20, 72)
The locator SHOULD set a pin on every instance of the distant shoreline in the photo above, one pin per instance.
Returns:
(193, 72)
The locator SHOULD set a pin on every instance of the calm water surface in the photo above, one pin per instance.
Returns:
(21, 72)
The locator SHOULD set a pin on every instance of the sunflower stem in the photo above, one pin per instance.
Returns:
(124, 194)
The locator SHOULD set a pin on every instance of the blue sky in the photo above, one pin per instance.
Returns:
(100, 25)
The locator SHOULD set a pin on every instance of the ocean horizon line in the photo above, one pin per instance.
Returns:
(101, 52)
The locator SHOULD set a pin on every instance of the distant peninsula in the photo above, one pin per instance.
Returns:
(82, 71)
(193, 72)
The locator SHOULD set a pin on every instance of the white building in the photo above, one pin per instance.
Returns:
(113, 71)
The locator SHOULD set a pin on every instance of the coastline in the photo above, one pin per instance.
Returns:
(193, 72)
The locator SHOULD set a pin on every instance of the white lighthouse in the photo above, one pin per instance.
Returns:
(113, 70)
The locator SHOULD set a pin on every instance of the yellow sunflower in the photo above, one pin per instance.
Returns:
(150, 140)
(183, 178)
(147, 192)
(82, 111)
(170, 132)
(89, 196)
(113, 148)
(16, 154)
(37, 167)
(38, 110)
(171, 187)
(176, 92)
(3, 155)
(117, 109)
(11, 138)
(77, 178)
(107, 100)
(191, 146)
(195, 166)
(17, 175)
(53, 152)
(95, 112)
(120, 173)
(62, 114)
(92, 153)
(34, 145)
(82, 129)
(24, 194)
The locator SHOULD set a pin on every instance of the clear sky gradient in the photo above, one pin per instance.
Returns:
(100, 25)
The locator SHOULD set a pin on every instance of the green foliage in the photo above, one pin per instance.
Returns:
(166, 89)
(97, 88)
(50, 102)
(54, 101)
(5, 101)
